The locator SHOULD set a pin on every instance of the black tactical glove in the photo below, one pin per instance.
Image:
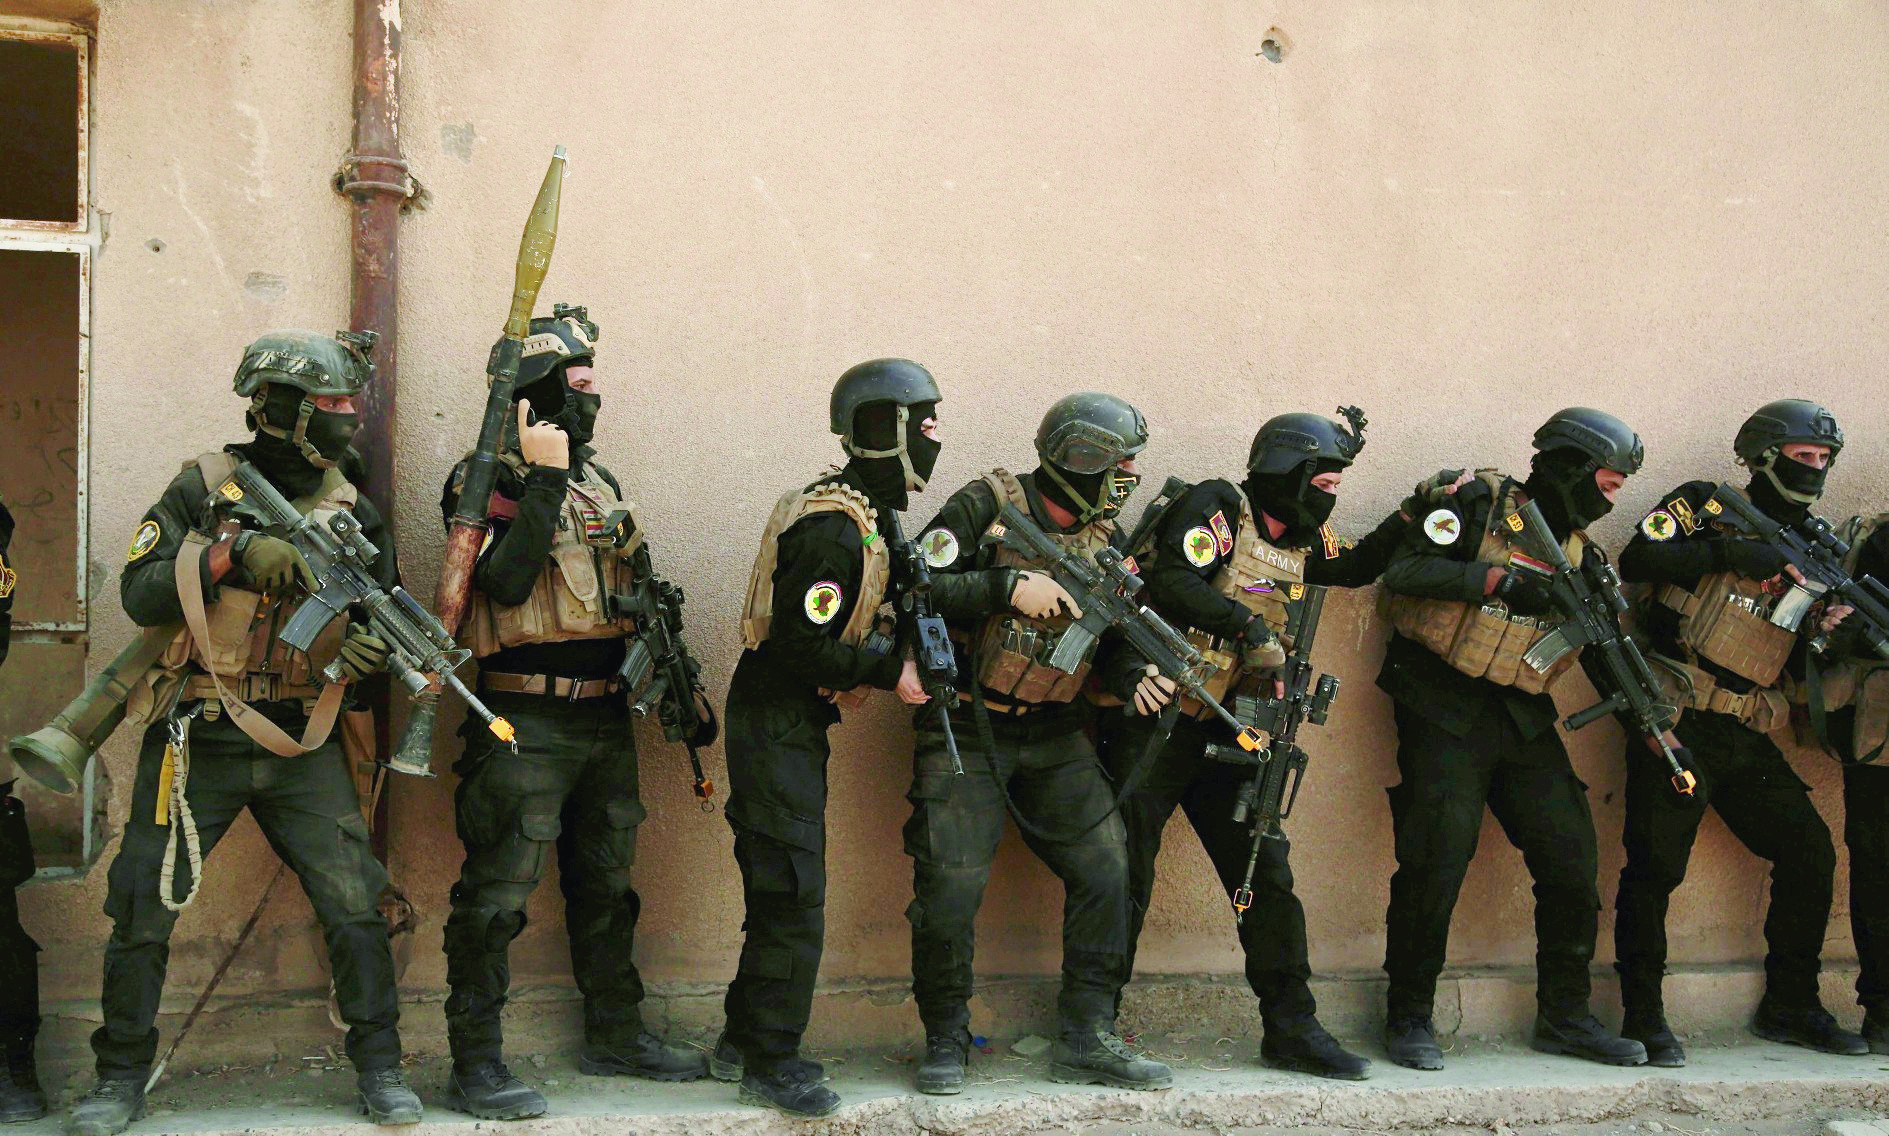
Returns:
(1260, 648)
(1748, 558)
(362, 653)
(1525, 592)
(1432, 491)
(272, 563)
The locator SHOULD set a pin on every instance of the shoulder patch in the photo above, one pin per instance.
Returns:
(939, 547)
(1443, 526)
(8, 577)
(1330, 540)
(1659, 525)
(143, 541)
(1222, 532)
(1200, 547)
(1682, 512)
(822, 602)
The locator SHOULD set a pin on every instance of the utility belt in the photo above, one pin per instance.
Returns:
(259, 686)
(1693, 688)
(551, 686)
(1013, 709)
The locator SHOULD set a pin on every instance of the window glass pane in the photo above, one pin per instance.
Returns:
(39, 431)
(39, 131)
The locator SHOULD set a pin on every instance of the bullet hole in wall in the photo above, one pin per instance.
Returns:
(1275, 46)
(154, 245)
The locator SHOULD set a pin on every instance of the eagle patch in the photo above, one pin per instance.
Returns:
(1200, 546)
(1659, 525)
(143, 541)
(822, 602)
(939, 547)
(1682, 512)
(1443, 526)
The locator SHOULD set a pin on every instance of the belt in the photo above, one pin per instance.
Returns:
(257, 687)
(1013, 709)
(549, 685)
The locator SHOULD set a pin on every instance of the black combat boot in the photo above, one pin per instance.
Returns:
(1809, 1026)
(1663, 1050)
(1303, 1046)
(1583, 1036)
(1410, 1041)
(941, 1073)
(20, 1095)
(1094, 1055)
(793, 1087)
(108, 1109)
(645, 1056)
(489, 1091)
(386, 1098)
(725, 1063)
(1876, 1030)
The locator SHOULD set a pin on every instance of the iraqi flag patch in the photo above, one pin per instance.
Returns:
(1222, 533)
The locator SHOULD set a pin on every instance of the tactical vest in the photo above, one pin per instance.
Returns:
(1859, 682)
(1486, 640)
(825, 497)
(1726, 621)
(1011, 648)
(1260, 576)
(571, 597)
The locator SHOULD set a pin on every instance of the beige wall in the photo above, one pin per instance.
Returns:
(1458, 215)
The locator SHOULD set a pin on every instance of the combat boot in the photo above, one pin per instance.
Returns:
(941, 1073)
(1876, 1030)
(1663, 1050)
(646, 1056)
(490, 1092)
(1810, 1026)
(20, 1095)
(1411, 1042)
(1304, 1046)
(386, 1098)
(1095, 1055)
(1585, 1037)
(724, 1064)
(793, 1087)
(108, 1109)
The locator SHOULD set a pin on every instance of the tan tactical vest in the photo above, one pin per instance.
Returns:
(827, 497)
(1859, 682)
(1485, 640)
(570, 597)
(1011, 648)
(1259, 576)
(1726, 621)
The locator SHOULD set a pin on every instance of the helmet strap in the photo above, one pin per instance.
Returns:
(1767, 465)
(913, 482)
(1090, 509)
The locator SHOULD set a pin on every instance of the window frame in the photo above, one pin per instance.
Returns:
(53, 31)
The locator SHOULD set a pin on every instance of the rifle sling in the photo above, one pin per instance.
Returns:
(259, 729)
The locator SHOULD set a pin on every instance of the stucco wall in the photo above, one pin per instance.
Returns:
(1458, 215)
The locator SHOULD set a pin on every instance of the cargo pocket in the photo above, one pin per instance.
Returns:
(616, 844)
(355, 877)
(767, 962)
(521, 857)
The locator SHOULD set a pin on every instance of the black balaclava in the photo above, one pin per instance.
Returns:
(1793, 475)
(876, 427)
(1290, 498)
(1561, 483)
(553, 401)
(284, 462)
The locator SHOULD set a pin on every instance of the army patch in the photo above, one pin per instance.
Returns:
(822, 602)
(1443, 526)
(1200, 546)
(1330, 540)
(939, 547)
(1659, 525)
(1682, 512)
(8, 577)
(1222, 533)
(143, 541)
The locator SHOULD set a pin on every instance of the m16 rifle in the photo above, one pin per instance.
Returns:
(658, 671)
(1104, 588)
(1279, 765)
(931, 643)
(1590, 604)
(1814, 549)
(421, 653)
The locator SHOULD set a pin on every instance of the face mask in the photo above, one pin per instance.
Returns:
(921, 452)
(1563, 485)
(329, 434)
(1290, 497)
(1121, 486)
(1796, 482)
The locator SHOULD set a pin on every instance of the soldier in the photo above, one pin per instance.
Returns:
(1475, 727)
(1216, 560)
(20, 1095)
(224, 734)
(543, 625)
(823, 645)
(1023, 745)
(1707, 615)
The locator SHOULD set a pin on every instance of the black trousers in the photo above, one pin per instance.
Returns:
(19, 961)
(1767, 806)
(570, 787)
(777, 753)
(1050, 770)
(1436, 814)
(1866, 832)
(1272, 934)
(308, 811)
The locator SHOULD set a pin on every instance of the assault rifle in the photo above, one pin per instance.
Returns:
(1589, 602)
(931, 643)
(421, 653)
(658, 671)
(1815, 550)
(1279, 767)
(1105, 587)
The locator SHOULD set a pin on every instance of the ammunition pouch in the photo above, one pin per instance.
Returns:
(1010, 654)
(1727, 623)
(1483, 640)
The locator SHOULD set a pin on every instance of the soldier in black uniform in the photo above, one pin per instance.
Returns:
(1707, 617)
(1476, 728)
(814, 626)
(1278, 512)
(550, 645)
(20, 1095)
(1025, 746)
(302, 387)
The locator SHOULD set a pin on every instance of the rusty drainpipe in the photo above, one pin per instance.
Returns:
(374, 180)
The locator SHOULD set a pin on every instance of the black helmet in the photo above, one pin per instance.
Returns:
(1081, 440)
(567, 335)
(1785, 421)
(1288, 440)
(316, 365)
(901, 383)
(1608, 442)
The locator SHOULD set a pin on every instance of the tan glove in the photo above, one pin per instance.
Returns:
(362, 653)
(273, 564)
(543, 443)
(1039, 596)
(1154, 691)
(1260, 648)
